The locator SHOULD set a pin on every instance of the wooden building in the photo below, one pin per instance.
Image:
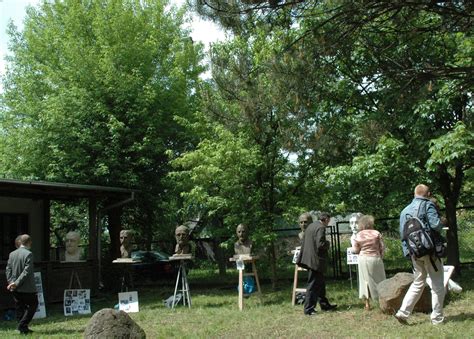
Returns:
(25, 208)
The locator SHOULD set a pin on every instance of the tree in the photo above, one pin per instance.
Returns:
(370, 78)
(243, 104)
(91, 93)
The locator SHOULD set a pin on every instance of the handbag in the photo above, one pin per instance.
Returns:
(440, 244)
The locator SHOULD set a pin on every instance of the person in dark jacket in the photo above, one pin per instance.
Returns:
(313, 257)
(21, 283)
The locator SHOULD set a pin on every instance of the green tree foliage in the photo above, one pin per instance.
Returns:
(379, 89)
(234, 170)
(91, 93)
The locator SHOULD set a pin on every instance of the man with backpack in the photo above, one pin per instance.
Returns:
(422, 212)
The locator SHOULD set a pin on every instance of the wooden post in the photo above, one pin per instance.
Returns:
(46, 229)
(295, 285)
(242, 274)
(241, 290)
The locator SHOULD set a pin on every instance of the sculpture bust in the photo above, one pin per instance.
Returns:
(73, 251)
(243, 245)
(304, 221)
(353, 223)
(182, 240)
(125, 243)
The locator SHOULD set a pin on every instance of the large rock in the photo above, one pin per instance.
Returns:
(110, 323)
(393, 290)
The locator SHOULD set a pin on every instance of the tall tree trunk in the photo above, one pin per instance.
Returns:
(114, 227)
(221, 261)
(450, 188)
(273, 265)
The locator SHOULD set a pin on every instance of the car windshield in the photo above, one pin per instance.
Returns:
(149, 255)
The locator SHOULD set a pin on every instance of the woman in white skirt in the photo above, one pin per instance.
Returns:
(369, 245)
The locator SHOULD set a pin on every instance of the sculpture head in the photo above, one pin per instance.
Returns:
(243, 245)
(353, 222)
(182, 235)
(242, 233)
(126, 243)
(304, 220)
(125, 238)
(72, 242)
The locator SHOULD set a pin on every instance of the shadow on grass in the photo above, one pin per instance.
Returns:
(460, 317)
(62, 331)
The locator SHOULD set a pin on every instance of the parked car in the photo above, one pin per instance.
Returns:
(153, 265)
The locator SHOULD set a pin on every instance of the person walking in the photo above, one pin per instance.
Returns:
(369, 245)
(21, 283)
(428, 265)
(313, 257)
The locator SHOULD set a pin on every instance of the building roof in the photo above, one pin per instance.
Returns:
(57, 190)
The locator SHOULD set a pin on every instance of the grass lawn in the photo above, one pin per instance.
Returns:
(215, 314)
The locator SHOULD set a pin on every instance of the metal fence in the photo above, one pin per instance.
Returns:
(339, 237)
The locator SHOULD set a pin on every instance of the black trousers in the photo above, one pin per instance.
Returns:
(26, 305)
(315, 291)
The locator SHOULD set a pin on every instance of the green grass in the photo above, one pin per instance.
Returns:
(215, 314)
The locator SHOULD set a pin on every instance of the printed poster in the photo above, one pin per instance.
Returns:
(296, 253)
(352, 258)
(77, 301)
(41, 310)
(128, 302)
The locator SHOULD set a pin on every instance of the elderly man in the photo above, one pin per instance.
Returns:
(21, 283)
(313, 256)
(304, 221)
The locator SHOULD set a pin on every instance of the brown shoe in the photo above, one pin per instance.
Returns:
(401, 319)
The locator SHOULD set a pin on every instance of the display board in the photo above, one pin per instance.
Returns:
(128, 302)
(41, 310)
(352, 258)
(77, 301)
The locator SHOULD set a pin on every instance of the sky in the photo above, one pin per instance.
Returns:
(204, 31)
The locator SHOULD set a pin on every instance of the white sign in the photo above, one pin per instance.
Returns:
(296, 253)
(352, 258)
(128, 302)
(77, 302)
(41, 310)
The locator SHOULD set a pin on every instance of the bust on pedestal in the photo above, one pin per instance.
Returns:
(243, 245)
(182, 253)
(73, 251)
(125, 243)
(183, 248)
(353, 223)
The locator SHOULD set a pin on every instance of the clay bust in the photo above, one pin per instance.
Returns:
(243, 245)
(182, 240)
(73, 252)
(125, 243)
(304, 221)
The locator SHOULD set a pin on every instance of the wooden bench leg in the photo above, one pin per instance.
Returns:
(241, 290)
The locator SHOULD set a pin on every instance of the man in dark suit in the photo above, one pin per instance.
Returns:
(313, 256)
(21, 282)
